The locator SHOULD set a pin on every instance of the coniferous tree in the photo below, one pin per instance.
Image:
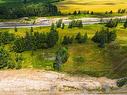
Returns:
(59, 23)
(67, 40)
(125, 24)
(31, 29)
(52, 38)
(81, 39)
(112, 23)
(75, 13)
(52, 26)
(79, 12)
(15, 29)
(61, 57)
(63, 25)
(78, 36)
(104, 36)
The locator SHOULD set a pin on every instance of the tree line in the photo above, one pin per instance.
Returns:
(35, 40)
(28, 10)
(75, 39)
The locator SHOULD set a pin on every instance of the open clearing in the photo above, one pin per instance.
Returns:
(92, 5)
(97, 62)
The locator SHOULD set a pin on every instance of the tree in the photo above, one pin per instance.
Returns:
(19, 45)
(112, 23)
(81, 39)
(78, 36)
(28, 10)
(52, 38)
(75, 23)
(5, 60)
(102, 43)
(61, 57)
(24, 1)
(59, 23)
(104, 36)
(67, 40)
(52, 27)
(15, 29)
(31, 29)
(75, 13)
(125, 24)
(92, 13)
(63, 25)
(70, 25)
(111, 12)
(6, 38)
(79, 12)
(18, 59)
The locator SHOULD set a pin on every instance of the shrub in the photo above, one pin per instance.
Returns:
(112, 23)
(104, 36)
(122, 82)
(5, 60)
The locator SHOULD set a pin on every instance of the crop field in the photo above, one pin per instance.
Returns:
(92, 5)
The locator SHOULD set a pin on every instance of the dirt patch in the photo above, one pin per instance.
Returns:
(31, 82)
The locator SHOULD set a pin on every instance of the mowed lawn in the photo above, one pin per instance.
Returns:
(92, 5)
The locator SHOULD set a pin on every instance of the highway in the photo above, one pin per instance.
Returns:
(48, 22)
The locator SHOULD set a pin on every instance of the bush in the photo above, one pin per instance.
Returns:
(6, 38)
(5, 60)
(125, 24)
(112, 23)
(81, 39)
(104, 36)
(75, 23)
(122, 82)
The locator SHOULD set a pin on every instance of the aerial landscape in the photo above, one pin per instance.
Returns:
(63, 47)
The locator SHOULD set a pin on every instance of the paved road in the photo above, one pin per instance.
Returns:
(48, 22)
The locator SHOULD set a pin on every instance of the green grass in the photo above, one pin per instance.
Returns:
(97, 62)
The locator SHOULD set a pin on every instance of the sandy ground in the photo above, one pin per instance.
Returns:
(40, 82)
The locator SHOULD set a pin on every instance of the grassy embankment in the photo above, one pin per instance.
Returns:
(83, 58)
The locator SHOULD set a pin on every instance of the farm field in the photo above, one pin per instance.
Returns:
(92, 5)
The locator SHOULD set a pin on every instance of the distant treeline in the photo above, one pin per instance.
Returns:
(85, 12)
(27, 10)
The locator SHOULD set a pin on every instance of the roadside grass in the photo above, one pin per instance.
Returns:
(95, 61)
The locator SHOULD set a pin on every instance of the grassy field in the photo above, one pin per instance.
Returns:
(83, 58)
(92, 5)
